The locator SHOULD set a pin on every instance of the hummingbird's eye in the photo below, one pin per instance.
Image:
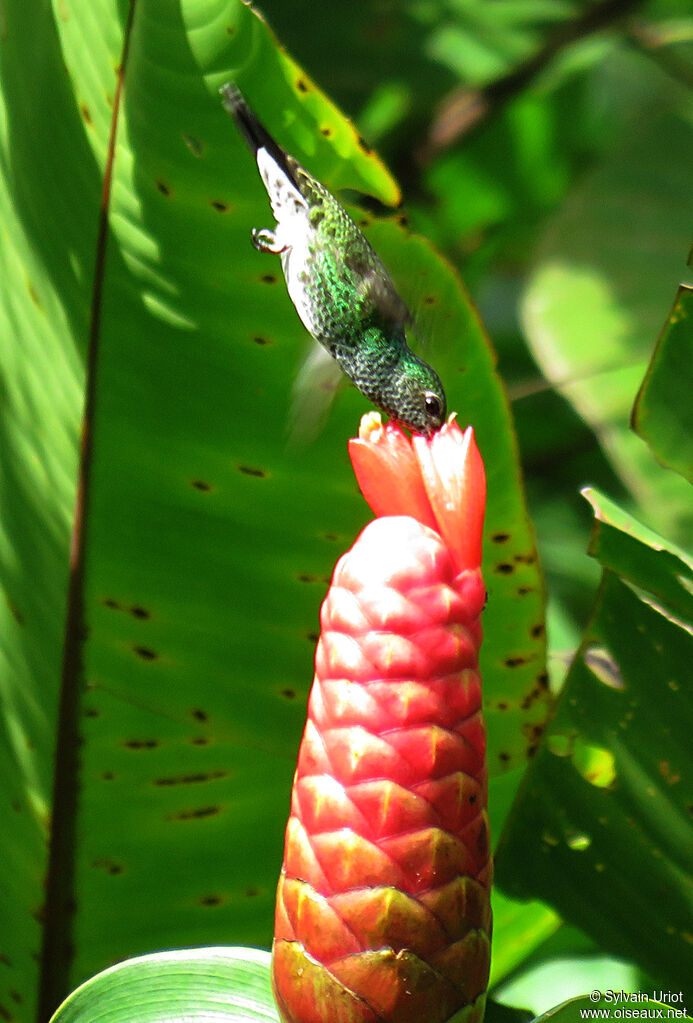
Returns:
(433, 404)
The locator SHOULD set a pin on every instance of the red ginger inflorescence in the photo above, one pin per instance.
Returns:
(383, 905)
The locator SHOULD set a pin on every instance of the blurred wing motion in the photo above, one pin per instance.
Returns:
(313, 392)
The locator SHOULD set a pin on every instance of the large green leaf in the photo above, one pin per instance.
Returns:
(208, 985)
(603, 829)
(208, 544)
(47, 241)
(662, 414)
(636, 553)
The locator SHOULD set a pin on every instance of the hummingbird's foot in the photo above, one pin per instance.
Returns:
(266, 241)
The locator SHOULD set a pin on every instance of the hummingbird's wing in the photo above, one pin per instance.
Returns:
(313, 392)
(373, 285)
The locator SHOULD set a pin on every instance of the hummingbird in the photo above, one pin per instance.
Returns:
(342, 292)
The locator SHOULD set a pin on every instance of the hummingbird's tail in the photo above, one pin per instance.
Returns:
(251, 129)
(254, 133)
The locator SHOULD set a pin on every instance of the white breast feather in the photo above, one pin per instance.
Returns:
(293, 230)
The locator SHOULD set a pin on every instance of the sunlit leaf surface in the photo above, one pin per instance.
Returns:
(208, 543)
(606, 808)
(209, 985)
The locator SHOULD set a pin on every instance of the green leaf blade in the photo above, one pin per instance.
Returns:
(606, 806)
(662, 413)
(209, 545)
(206, 985)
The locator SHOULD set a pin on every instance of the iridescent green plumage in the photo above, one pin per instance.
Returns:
(340, 288)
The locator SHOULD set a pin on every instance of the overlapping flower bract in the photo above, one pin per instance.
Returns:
(383, 902)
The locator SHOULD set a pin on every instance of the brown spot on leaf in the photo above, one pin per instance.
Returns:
(194, 145)
(288, 694)
(190, 779)
(16, 614)
(219, 206)
(504, 568)
(268, 279)
(109, 865)
(501, 706)
(145, 653)
(139, 612)
(107, 776)
(500, 537)
(201, 485)
(514, 662)
(33, 294)
(364, 145)
(142, 744)
(211, 900)
(251, 893)
(526, 559)
(312, 637)
(110, 602)
(522, 591)
(504, 757)
(84, 111)
(326, 131)
(301, 85)
(199, 714)
(543, 680)
(252, 470)
(91, 712)
(163, 188)
(196, 814)
(430, 300)
(261, 340)
(537, 630)
(533, 731)
(200, 740)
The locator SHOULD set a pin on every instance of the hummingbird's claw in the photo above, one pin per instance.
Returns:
(265, 240)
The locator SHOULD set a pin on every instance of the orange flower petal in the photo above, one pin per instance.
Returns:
(453, 475)
(388, 472)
